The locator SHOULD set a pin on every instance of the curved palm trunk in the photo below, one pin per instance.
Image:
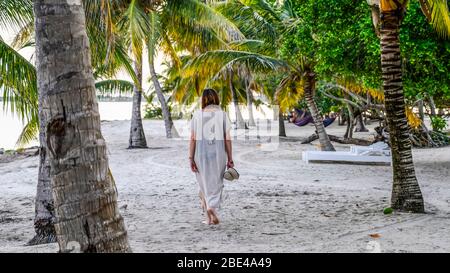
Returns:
(406, 194)
(309, 85)
(44, 218)
(137, 134)
(168, 123)
(240, 123)
(83, 189)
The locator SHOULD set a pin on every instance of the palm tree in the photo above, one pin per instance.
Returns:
(406, 193)
(240, 123)
(170, 26)
(134, 26)
(259, 55)
(248, 91)
(155, 37)
(85, 196)
(18, 80)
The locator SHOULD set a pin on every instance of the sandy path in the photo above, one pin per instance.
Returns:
(280, 204)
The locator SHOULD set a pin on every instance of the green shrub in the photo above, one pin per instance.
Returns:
(153, 112)
(438, 123)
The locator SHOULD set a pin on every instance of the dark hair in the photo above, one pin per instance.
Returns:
(209, 97)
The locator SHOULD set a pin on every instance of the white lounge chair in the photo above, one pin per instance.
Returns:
(380, 147)
(375, 155)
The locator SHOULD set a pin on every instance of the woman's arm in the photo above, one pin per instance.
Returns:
(228, 150)
(192, 152)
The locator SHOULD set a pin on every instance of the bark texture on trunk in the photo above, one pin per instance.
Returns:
(406, 193)
(137, 134)
(325, 144)
(83, 188)
(44, 219)
(168, 122)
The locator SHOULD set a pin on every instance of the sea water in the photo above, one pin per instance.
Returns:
(11, 125)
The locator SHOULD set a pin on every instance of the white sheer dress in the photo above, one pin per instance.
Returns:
(210, 126)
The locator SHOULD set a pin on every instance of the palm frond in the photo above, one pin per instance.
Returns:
(25, 37)
(256, 19)
(437, 13)
(209, 64)
(15, 13)
(136, 24)
(114, 87)
(102, 14)
(289, 92)
(194, 13)
(18, 82)
(169, 50)
(29, 132)
(413, 120)
(154, 35)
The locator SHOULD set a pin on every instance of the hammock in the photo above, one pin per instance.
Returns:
(328, 121)
(307, 118)
(304, 121)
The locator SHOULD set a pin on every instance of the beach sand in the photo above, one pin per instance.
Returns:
(279, 204)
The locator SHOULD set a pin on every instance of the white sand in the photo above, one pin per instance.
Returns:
(278, 205)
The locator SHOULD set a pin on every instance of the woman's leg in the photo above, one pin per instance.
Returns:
(203, 204)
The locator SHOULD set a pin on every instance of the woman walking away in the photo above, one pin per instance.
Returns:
(210, 152)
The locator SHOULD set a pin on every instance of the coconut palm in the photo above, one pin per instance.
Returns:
(406, 193)
(18, 82)
(260, 54)
(170, 26)
(85, 196)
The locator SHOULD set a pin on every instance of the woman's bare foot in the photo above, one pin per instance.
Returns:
(213, 216)
(207, 221)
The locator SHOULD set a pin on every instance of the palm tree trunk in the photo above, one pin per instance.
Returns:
(432, 105)
(83, 188)
(360, 126)
(170, 128)
(281, 127)
(137, 134)
(350, 120)
(341, 117)
(349, 130)
(240, 123)
(44, 218)
(421, 111)
(406, 193)
(309, 85)
(251, 119)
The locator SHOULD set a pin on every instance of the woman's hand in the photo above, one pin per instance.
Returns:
(193, 166)
(230, 164)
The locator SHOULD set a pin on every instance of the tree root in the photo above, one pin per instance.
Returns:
(41, 239)
(354, 141)
(45, 233)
